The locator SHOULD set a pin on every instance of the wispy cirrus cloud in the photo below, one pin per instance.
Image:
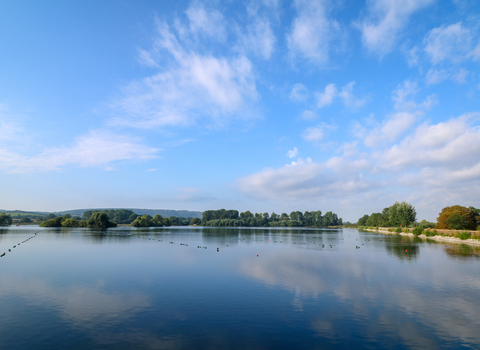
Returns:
(191, 84)
(453, 43)
(384, 22)
(331, 92)
(257, 36)
(299, 93)
(312, 32)
(402, 119)
(97, 148)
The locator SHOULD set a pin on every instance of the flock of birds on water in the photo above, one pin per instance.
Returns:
(322, 245)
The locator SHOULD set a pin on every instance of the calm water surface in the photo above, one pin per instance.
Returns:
(170, 288)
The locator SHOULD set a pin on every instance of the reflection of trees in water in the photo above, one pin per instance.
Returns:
(104, 235)
(224, 235)
(406, 251)
(463, 252)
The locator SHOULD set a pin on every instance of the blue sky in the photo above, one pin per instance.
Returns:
(254, 105)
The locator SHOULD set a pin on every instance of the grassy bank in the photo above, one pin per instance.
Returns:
(451, 236)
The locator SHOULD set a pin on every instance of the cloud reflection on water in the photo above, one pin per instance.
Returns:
(406, 303)
(85, 306)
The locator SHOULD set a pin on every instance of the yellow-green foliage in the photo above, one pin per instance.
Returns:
(456, 217)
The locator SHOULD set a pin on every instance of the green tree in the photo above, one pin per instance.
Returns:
(50, 216)
(457, 217)
(157, 220)
(71, 222)
(142, 221)
(376, 219)
(25, 220)
(55, 222)
(100, 220)
(5, 219)
(363, 220)
(402, 214)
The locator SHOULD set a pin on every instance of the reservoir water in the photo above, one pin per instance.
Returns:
(206, 288)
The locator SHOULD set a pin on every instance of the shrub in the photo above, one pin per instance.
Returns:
(398, 230)
(418, 230)
(464, 235)
(429, 233)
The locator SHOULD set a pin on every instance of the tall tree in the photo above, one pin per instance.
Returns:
(456, 217)
(403, 214)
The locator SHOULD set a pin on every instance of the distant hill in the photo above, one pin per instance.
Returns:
(16, 213)
(79, 212)
(151, 212)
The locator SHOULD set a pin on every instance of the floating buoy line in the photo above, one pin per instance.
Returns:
(322, 245)
(18, 244)
(202, 247)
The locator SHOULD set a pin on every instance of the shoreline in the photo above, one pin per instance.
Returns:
(437, 238)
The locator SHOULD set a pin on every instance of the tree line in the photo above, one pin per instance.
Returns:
(112, 217)
(403, 214)
(96, 220)
(231, 217)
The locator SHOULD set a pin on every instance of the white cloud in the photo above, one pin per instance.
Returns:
(475, 54)
(431, 166)
(203, 22)
(145, 58)
(391, 128)
(305, 179)
(400, 121)
(452, 43)
(403, 101)
(292, 153)
(326, 97)
(313, 134)
(412, 56)
(330, 92)
(385, 21)
(192, 86)
(309, 115)
(258, 38)
(453, 144)
(299, 93)
(435, 76)
(347, 96)
(312, 31)
(461, 76)
(97, 148)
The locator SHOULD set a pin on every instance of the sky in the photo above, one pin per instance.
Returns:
(267, 105)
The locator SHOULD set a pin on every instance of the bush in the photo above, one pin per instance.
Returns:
(56, 222)
(464, 235)
(429, 233)
(418, 230)
(398, 230)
